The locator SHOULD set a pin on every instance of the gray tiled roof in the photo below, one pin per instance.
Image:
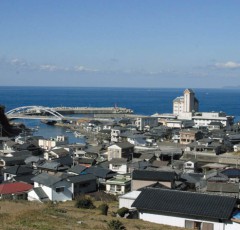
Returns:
(153, 175)
(81, 178)
(196, 205)
(124, 145)
(77, 169)
(40, 193)
(100, 172)
(46, 179)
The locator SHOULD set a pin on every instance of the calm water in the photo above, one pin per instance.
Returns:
(144, 101)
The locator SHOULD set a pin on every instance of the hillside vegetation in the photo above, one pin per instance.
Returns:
(24, 215)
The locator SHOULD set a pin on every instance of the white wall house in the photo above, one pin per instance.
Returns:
(187, 209)
(119, 165)
(53, 187)
(118, 185)
(48, 144)
(127, 199)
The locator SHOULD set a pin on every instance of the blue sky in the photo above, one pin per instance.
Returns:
(120, 43)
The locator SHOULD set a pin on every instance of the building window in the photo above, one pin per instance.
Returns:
(118, 188)
(116, 167)
(60, 189)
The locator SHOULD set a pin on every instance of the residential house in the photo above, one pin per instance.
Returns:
(101, 174)
(190, 166)
(56, 153)
(48, 144)
(119, 165)
(215, 125)
(115, 133)
(61, 187)
(127, 199)
(219, 182)
(146, 123)
(14, 190)
(120, 184)
(190, 135)
(120, 150)
(143, 178)
(17, 170)
(186, 209)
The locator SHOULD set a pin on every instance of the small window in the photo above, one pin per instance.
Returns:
(60, 189)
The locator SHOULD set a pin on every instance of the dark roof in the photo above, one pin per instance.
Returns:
(124, 145)
(18, 170)
(118, 161)
(100, 172)
(153, 175)
(77, 169)
(81, 178)
(46, 179)
(40, 193)
(173, 202)
(24, 178)
(231, 172)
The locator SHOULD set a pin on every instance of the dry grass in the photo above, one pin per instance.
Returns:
(24, 215)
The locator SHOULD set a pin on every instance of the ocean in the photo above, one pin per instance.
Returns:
(145, 101)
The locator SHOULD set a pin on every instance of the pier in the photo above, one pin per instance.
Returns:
(92, 110)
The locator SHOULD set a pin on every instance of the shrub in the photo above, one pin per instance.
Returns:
(103, 209)
(116, 225)
(122, 211)
(84, 202)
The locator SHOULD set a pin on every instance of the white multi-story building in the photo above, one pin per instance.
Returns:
(187, 103)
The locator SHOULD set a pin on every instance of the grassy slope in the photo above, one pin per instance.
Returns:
(24, 215)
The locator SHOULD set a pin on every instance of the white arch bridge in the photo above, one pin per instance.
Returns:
(35, 112)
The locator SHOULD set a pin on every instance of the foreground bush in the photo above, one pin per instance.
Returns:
(116, 225)
(122, 211)
(103, 209)
(84, 202)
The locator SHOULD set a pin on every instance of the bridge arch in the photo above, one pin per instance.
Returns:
(34, 109)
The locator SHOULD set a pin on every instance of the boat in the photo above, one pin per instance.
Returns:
(78, 134)
(49, 122)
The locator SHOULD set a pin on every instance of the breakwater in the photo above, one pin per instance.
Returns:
(93, 110)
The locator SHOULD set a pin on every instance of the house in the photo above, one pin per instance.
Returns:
(127, 199)
(186, 209)
(51, 167)
(215, 125)
(48, 144)
(143, 178)
(190, 166)
(101, 173)
(115, 133)
(146, 123)
(14, 158)
(190, 135)
(218, 182)
(16, 170)
(14, 190)
(120, 150)
(61, 187)
(120, 184)
(56, 153)
(119, 165)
